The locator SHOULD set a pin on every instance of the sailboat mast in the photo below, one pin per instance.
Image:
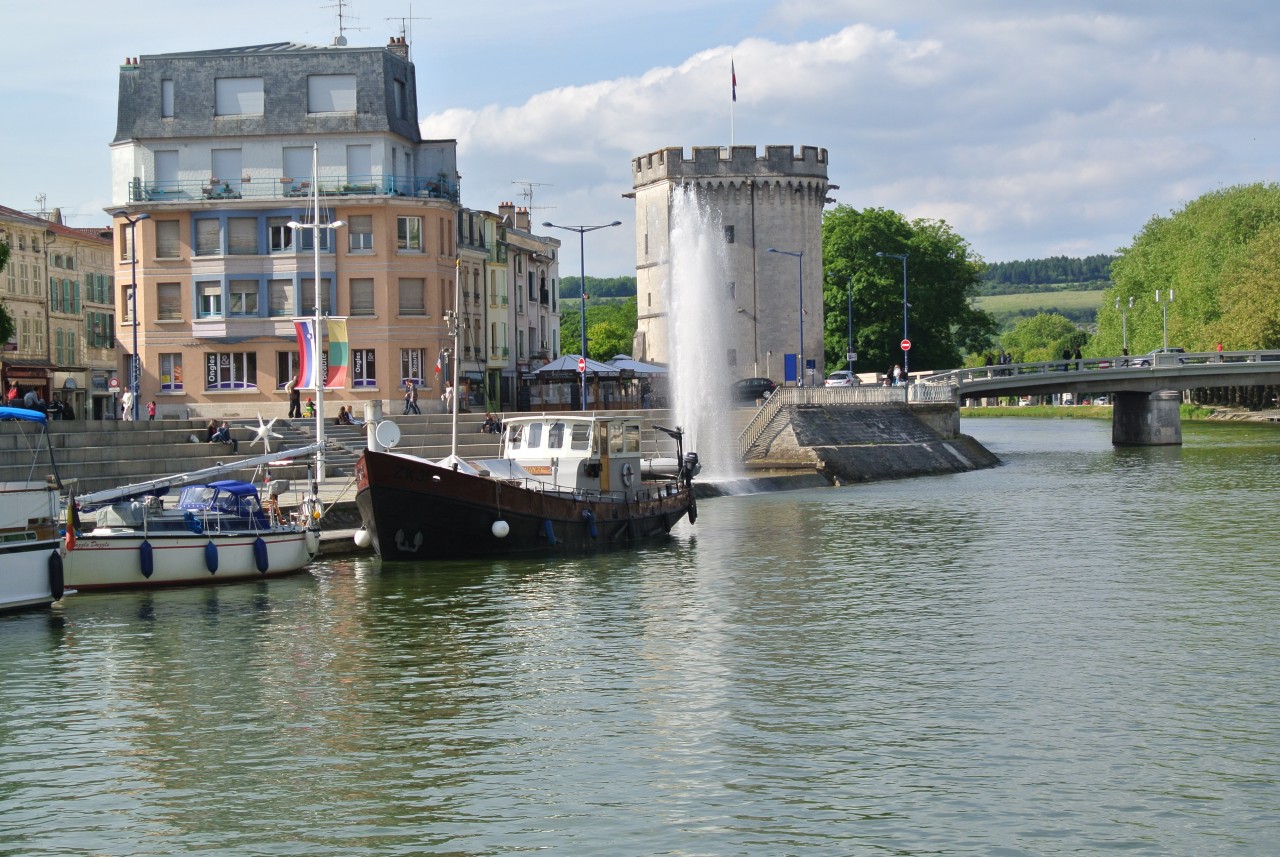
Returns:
(317, 348)
(457, 325)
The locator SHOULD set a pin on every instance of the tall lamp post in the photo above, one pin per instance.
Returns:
(1164, 306)
(799, 256)
(1124, 322)
(906, 371)
(316, 347)
(582, 261)
(135, 364)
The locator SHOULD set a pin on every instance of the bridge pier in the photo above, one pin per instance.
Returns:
(1146, 419)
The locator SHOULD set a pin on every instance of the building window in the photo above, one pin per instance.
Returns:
(126, 243)
(238, 96)
(412, 296)
(242, 297)
(242, 236)
(171, 372)
(208, 237)
(169, 301)
(411, 361)
(307, 240)
(733, 357)
(231, 371)
(409, 233)
(331, 93)
(363, 368)
(58, 358)
(279, 235)
(401, 100)
(360, 232)
(361, 295)
(728, 234)
(166, 99)
(280, 297)
(309, 297)
(287, 368)
(210, 300)
(168, 241)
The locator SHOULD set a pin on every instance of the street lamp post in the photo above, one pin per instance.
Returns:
(799, 256)
(1164, 307)
(582, 261)
(135, 363)
(1124, 322)
(906, 370)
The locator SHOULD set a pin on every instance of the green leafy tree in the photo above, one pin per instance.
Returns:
(611, 328)
(942, 277)
(1042, 337)
(6, 320)
(1215, 254)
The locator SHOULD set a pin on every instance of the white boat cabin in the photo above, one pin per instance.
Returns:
(575, 453)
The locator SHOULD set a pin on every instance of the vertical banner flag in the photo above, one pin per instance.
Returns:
(307, 370)
(733, 74)
(439, 362)
(339, 353)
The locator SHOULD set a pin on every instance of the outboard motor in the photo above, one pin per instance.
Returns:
(691, 465)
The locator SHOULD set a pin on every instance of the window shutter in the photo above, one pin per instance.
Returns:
(281, 297)
(208, 237)
(242, 236)
(167, 242)
(411, 296)
(362, 296)
(169, 301)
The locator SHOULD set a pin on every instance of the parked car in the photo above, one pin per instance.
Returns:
(750, 389)
(842, 378)
(1148, 359)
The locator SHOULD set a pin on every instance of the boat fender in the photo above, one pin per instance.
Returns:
(260, 555)
(628, 475)
(501, 529)
(193, 524)
(146, 559)
(312, 541)
(362, 538)
(211, 556)
(693, 511)
(591, 521)
(549, 530)
(56, 580)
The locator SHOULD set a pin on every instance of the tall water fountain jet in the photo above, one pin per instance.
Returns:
(700, 315)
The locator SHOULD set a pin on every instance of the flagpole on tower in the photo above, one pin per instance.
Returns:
(733, 78)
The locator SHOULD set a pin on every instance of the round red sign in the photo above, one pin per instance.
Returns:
(906, 345)
(113, 383)
(582, 364)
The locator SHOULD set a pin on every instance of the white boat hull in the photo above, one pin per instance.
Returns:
(26, 576)
(116, 560)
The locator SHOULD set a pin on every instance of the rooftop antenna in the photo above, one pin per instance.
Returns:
(41, 212)
(406, 26)
(527, 193)
(341, 5)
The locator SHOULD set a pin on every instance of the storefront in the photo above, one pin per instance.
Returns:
(29, 375)
(69, 386)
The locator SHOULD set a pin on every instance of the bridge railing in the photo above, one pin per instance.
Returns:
(958, 377)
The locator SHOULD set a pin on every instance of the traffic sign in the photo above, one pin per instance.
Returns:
(582, 364)
(906, 345)
(113, 383)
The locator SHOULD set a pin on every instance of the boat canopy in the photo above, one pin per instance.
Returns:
(7, 413)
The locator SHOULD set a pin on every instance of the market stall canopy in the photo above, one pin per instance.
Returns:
(625, 363)
(568, 365)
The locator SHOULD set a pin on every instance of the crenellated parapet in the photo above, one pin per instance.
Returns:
(729, 164)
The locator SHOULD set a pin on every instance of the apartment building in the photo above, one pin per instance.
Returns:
(218, 159)
(58, 287)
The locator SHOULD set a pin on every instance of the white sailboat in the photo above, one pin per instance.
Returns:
(31, 569)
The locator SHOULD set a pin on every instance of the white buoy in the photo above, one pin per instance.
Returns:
(362, 538)
(501, 529)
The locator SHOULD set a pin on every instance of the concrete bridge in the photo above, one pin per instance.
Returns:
(1144, 389)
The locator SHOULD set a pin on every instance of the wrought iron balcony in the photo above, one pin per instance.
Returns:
(286, 187)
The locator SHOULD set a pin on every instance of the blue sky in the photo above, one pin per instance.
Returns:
(1034, 129)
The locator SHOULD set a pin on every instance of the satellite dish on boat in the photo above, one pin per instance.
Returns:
(387, 433)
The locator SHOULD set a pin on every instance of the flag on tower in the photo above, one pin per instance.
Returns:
(733, 74)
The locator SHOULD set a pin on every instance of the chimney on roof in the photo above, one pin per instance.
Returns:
(507, 210)
(399, 47)
(522, 218)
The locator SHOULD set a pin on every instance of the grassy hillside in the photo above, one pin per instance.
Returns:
(1079, 306)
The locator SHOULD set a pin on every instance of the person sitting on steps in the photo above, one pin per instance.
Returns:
(223, 435)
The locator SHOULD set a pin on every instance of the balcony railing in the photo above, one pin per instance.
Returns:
(253, 187)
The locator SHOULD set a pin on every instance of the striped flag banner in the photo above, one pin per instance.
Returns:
(307, 374)
(339, 353)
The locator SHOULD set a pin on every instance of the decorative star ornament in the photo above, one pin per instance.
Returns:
(264, 433)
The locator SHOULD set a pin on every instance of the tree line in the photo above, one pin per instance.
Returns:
(1055, 273)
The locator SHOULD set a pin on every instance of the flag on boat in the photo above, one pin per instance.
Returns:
(339, 353)
(307, 374)
(733, 74)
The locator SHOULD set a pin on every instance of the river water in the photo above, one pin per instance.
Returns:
(1074, 653)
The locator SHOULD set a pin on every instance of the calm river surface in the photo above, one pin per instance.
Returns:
(1075, 653)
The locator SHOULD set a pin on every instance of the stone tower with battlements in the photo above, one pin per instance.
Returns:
(770, 201)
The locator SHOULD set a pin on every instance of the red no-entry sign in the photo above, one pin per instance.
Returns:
(906, 345)
(582, 364)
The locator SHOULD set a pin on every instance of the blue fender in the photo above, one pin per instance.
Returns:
(56, 581)
(590, 518)
(211, 556)
(260, 555)
(549, 530)
(146, 559)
